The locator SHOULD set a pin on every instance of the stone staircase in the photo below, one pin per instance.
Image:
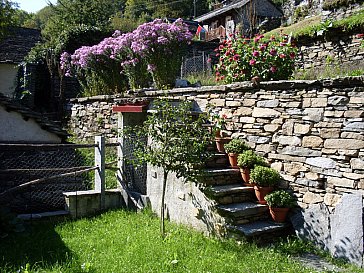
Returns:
(244, 216)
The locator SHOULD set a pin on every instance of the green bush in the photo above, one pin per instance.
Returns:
(334, 4)
(249, 159)
(264, 176)
(280, 199)
(236, 146)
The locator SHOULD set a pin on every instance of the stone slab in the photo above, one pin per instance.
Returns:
(258, 227)
(242, 209)
(347, 229)
(230, 189)
(313, 223)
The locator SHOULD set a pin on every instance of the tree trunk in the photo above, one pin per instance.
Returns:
(162, 228)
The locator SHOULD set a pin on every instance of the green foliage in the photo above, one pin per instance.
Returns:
(335, 4)
(280, 199)
(39, 20)
(249, 159)
(178, 139)
(138, 10)
(133, 245)
(205, 79)
(300, 12)
(313, 26)
(7, 11)
(355, 21)
(236, 146)
(264, 176)
(177, 142)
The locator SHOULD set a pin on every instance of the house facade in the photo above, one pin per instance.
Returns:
(245, 17)
(20, 124)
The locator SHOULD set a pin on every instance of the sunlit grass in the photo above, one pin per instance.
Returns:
(123, 241)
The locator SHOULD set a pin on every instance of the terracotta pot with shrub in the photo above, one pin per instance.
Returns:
(279, 203)
(233, 149)
(264, 179)
(246, 161)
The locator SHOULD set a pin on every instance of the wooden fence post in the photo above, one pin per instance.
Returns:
(100, 171)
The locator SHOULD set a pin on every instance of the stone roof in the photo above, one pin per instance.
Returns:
(27, 113)
(17, 44)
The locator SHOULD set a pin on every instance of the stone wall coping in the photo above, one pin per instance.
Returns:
(234, 87)
(89, 193)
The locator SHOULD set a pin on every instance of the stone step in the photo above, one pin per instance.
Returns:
(232, 193)
(246, 210)
(218, 160)
(221, 176)
(258, 228)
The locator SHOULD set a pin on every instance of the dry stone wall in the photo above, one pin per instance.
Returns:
(312, 132)
(336, 50)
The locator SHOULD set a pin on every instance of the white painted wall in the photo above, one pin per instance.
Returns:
(13, 128)
(8, 73)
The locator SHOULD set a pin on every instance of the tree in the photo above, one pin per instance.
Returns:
(177, 143)
(39, 20)
(139, 9)
(7, 10)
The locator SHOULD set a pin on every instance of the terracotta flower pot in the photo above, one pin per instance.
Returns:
(245, 174)
(218, 134)
(220, 141)
(233, 159)
(279, 214)
(261, 192)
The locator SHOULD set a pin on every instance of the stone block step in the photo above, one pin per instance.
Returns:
(242, 210)
(258, 228)
(221, 176)
(232, 193)
(218, 160)
(223, 190)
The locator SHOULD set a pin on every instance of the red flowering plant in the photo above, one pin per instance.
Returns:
(241, 59)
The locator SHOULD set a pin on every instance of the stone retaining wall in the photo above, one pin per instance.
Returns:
(337, 49)
(312, 132)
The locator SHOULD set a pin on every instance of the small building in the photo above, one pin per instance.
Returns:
(20, 124)
(244, 16)
(13, 49)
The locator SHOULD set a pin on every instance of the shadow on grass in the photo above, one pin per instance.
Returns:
(39, 245)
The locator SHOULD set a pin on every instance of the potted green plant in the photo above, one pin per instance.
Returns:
(264, 179)
(279, 203)
(235, 147)
(246, 161)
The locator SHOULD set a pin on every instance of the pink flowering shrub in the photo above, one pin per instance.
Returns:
(241, 59)
(154, 47)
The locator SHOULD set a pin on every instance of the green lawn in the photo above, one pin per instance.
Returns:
(122, 241)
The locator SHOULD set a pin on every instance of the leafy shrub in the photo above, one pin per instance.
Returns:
(241, 59)
(264, 176)
(249, 159)
(236, 146)
(280, 199)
